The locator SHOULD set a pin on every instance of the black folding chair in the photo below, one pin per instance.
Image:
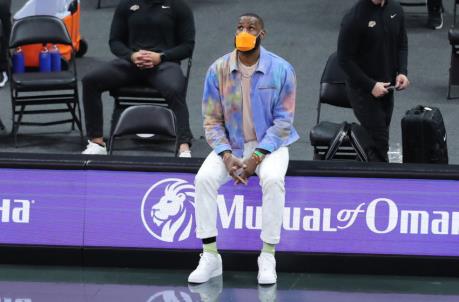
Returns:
(411, 3)
(54, 92)
(2, 126)
(145, 119)
(131, 95)
(453, 36)
(333, 140)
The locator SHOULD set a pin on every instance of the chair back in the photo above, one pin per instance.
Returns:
(39, 29)
(146, 119)
(332, 84)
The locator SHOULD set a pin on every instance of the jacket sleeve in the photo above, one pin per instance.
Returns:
(347, 52)
(184, 33)
(212, 111)
(283, 114)
(403, 48)
(119, 33)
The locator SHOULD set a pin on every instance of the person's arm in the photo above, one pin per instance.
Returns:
(403, 48)
(283, 114)
(185, 33)
(348, 46)
(212, 111)
(119, 33)
(401, 80)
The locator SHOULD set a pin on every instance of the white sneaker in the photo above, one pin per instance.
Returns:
(185, 154)
(266, 269)
(95, 149)
(4, 79)
(210, 265)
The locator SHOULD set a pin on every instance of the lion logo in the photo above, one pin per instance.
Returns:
(168, 209)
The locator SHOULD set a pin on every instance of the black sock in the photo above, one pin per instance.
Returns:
(209, 240)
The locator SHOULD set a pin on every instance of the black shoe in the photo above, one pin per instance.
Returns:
(435, 20)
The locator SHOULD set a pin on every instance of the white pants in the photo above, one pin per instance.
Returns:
(271, 173)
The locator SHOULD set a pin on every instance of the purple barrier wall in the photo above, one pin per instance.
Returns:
(156, 210)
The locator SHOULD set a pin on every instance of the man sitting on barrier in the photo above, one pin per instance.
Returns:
(150, 38)
(248, 109)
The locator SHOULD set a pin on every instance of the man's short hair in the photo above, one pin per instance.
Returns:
(260, 19)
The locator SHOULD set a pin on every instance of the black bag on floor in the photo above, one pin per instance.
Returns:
(424, 136)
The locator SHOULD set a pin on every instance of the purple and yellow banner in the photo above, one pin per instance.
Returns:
(156, 210)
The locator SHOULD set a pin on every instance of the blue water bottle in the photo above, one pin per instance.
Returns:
(45, 60)
(55, 59)
(18, 61)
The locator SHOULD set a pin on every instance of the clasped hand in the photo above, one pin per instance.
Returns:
(145, 59)
(240, 170)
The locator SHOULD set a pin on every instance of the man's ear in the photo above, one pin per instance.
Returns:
(262, 34)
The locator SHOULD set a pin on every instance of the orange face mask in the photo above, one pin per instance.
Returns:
(245, 41)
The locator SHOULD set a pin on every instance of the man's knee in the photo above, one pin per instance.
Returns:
(172, 89)
(99, 78)
(171, 81)
(90, 80)
(204, 178)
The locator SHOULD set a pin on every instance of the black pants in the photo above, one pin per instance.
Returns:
(432, 5)
(374, 114)
(5, 17)
(166, 77)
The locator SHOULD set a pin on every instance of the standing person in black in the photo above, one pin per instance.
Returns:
(373, 53)
(149, 37)
(435, 11)
(5, 17)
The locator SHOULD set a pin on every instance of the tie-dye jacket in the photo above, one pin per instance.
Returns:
(273, 94)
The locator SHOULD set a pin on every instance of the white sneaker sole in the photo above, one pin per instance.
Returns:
(439, 26)
(199, 280)
(266, 282)
(185, 154)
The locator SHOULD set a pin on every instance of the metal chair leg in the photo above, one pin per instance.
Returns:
(176, 147)
(110, 145)
(16, 126)
(72, 112)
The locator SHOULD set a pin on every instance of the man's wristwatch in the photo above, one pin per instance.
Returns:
(162, 56)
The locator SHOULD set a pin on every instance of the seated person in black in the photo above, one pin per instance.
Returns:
(149, 37)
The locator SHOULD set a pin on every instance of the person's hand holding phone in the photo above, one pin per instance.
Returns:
(380, 89)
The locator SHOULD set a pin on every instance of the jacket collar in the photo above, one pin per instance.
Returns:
(263, 63)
